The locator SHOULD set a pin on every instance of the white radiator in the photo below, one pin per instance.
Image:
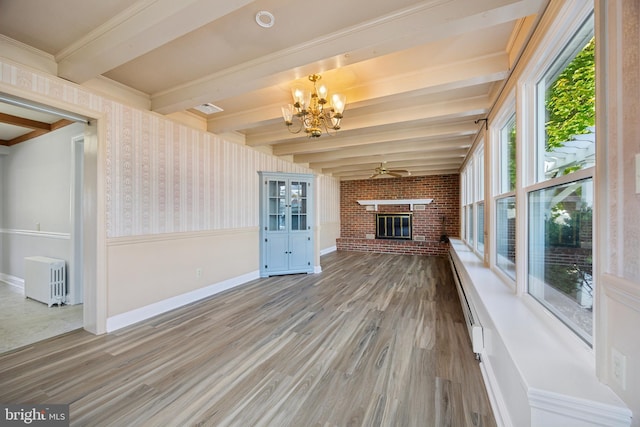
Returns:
(470, 315)
(45, 280)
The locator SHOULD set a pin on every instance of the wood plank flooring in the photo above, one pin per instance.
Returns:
(373, 340)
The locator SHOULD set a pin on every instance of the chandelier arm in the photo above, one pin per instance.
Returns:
(326, 119)
(300, 126)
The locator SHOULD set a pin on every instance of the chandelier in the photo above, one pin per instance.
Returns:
(313, 112)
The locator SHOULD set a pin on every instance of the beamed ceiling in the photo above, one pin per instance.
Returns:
(418, 75)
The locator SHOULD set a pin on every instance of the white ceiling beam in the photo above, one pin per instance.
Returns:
(429, 80)
(329, 144)
(407, 164)
(146, 25)
(426, 168)
(392, 157)
(382, 149)
(451, 171)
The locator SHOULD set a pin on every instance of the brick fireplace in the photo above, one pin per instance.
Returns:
(358, 222)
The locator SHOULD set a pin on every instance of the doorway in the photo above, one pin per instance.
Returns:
(24, 320)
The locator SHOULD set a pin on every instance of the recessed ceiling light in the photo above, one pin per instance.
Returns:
(265, 19)
(208, 108)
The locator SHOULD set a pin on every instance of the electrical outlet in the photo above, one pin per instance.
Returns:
(198, 273)
(619, 368)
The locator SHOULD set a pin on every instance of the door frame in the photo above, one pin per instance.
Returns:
(75, 291)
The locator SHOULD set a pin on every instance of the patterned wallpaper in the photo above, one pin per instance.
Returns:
(164, 177)
(329, 209)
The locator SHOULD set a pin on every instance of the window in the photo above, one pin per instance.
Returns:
(479, 198)
(506, 235)
(470, 229)
(505, 202)
(507, 155)
(560, 194)
(560, 252)
(480, 226)
(473, 200)
(566, 101)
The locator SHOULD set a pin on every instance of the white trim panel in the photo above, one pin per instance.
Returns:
(328, 250)
(34, 233)
(12, 280)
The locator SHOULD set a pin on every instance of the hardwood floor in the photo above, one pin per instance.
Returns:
(373, 340)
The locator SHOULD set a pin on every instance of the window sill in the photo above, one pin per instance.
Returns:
(534, 374)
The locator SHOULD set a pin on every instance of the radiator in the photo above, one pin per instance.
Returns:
(469, 312)
(45, 280)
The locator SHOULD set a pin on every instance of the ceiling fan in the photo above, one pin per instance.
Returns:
(382, 170)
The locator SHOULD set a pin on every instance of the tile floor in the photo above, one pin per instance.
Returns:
(24, 321)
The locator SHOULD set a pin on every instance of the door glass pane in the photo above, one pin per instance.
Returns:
(277, 205)
(298, 205)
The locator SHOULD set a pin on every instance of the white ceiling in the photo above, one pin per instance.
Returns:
(417, 74)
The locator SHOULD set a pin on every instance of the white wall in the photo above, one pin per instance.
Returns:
(35, 206)
(328, 212)
(618, 200)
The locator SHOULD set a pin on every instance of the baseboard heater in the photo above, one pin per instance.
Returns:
(471, 317)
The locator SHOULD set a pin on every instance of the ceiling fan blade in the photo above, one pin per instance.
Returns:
(382, 170)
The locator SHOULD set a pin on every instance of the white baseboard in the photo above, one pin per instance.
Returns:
(500, 412)
(120, 321)
(12, 280)
(328, 250)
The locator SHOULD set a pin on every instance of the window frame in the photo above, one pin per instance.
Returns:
(505, 115)
(531, 129)
(472, 180)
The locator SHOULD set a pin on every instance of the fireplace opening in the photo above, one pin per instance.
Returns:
(394, 226)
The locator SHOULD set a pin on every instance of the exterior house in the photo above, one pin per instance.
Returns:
(171, 215)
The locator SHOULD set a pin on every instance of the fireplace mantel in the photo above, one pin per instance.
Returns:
(410, 202)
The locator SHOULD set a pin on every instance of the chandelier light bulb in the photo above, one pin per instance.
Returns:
(322, 92)
(298, 97)
(338, 102)
(287, 114)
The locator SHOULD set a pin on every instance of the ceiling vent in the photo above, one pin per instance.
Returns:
(208, 108)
